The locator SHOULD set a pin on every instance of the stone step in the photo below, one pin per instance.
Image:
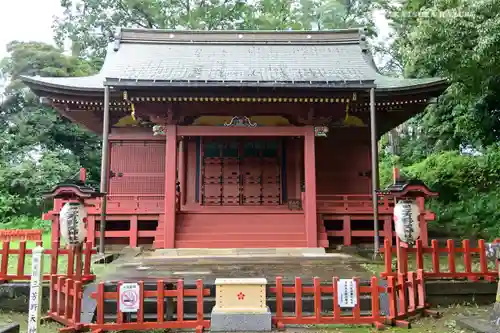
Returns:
(232, 252)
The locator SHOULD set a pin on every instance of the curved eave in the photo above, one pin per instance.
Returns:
(426, 85)
(74, 86)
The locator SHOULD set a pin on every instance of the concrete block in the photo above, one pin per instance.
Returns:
(240, 322)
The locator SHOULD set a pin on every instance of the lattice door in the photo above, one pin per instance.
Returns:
(241, 172)
(220, 173)
(251, 170)
(137, 167)
(271, 173)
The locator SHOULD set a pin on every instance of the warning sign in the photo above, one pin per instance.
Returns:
(347, 293)
(129, 297)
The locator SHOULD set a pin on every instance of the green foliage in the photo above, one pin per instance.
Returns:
(89, 24)
(472, 215)
(468, 186)
(453, 146)
(39, 147)
(26, 222)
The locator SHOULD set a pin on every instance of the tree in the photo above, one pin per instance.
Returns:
(90, 24)
(39, 148)
(459, 40)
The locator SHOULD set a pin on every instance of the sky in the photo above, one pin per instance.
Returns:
(26, 20)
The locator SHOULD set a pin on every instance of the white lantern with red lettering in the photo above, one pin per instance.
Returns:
(72, 223)
(406, 220)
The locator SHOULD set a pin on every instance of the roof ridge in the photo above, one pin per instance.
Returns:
(162, 36)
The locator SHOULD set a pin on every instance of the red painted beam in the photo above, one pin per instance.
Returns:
(240, 131)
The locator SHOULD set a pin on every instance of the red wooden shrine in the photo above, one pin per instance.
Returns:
(238, 139)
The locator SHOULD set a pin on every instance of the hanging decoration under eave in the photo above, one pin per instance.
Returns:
(132, 106)
(349, 120)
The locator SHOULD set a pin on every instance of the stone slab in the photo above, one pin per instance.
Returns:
(89, 304)
(149, 268)
(14, 296)
(237, 252)
(478, 325)
(240, 322)
(11, 328)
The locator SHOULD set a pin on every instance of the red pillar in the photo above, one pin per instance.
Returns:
(388, 229)
(134, 231)
(91, 230)
(310, 188)
(422, 222)
(55, 228)
(298, 169)
(395, 174)
(182, 169)
(170, 180)
(83, 174)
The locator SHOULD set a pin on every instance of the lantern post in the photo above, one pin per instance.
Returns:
(407, 215)
(73, 215)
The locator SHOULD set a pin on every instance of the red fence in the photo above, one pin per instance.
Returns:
(66, 302)
(353, 318)
(78, 261)
(160, 294)
(405, 292)
(406, 297)
(474, 261)
(21, 234)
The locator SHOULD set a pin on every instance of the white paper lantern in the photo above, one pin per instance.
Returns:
(406, 213)
(72, 220)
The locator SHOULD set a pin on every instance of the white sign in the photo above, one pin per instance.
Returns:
(72, 220)
(36, 285)
(406, 214)
(347, 293)
(129, 297)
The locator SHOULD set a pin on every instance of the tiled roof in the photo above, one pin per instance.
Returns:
(230, 58)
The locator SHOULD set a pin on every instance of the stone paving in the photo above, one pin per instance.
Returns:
(147, 266)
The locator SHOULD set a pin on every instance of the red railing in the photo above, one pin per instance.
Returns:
(163, 321)
(65, 302)
(78, 260)
(21, 234)
(352, 203)
(406, 293)
(428, 259)
(355, 317)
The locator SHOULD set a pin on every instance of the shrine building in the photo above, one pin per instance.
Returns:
(238, 139)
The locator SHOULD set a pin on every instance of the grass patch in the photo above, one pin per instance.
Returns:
(7, 318)
(445, 324)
